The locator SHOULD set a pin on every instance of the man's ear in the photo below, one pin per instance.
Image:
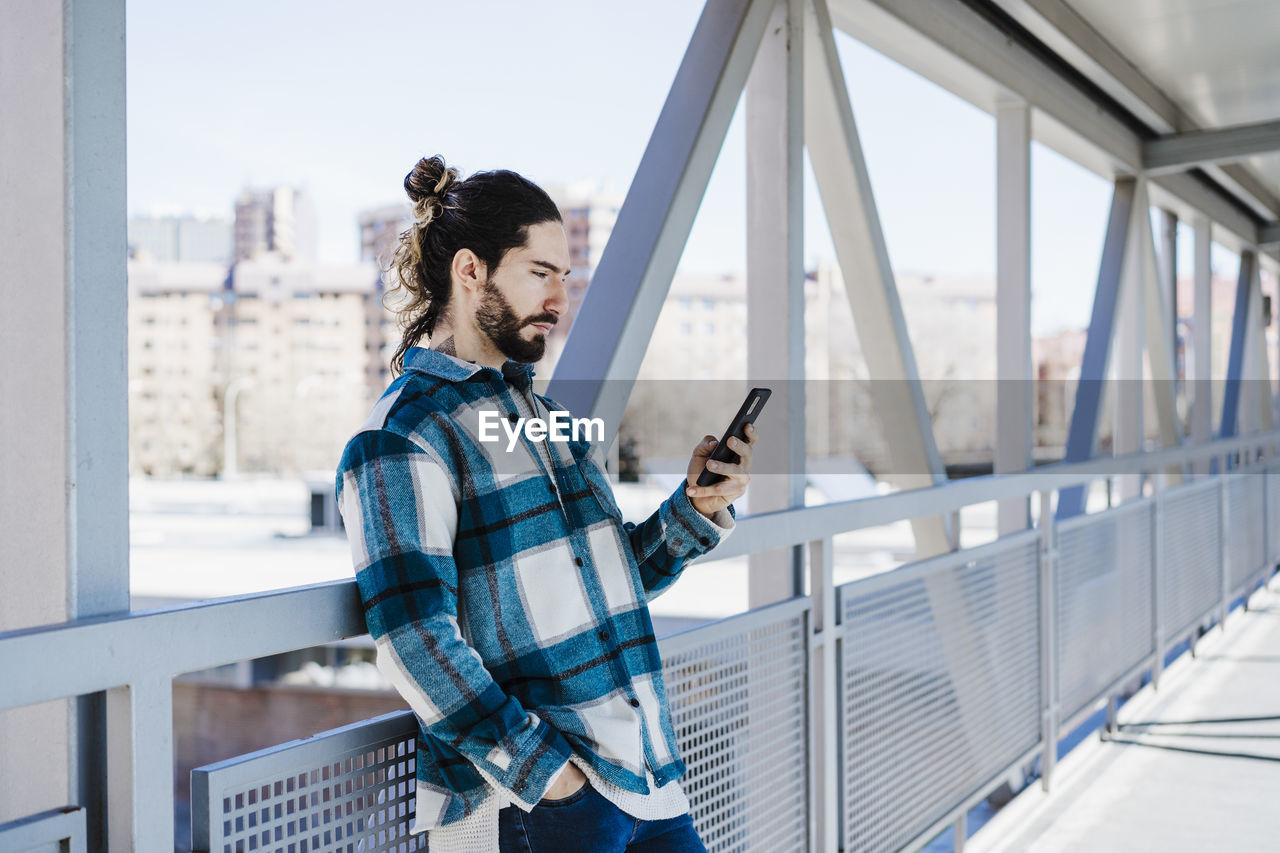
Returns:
(468, 270)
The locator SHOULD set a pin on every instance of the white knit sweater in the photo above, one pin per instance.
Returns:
(478, 832)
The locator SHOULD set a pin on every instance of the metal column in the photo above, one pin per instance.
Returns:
(1201, 338)
(775, 285)
(1015, 381)
(63, 238)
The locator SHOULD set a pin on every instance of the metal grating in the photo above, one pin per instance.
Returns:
(1245, 548)
(1190, 579)
(350, 789)
(1103, 596)
(941, 686)
(738, 692)
(56, 829)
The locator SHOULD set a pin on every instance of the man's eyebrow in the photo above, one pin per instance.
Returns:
(550, 266)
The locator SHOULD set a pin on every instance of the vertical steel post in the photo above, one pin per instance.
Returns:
(1224, 550)
(1014, 385)
(1048, 643)
(824, 752)
(140, 765)
(1201, 326)
(775, 284)
(1157, 584)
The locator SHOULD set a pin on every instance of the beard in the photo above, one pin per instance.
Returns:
(497, 319)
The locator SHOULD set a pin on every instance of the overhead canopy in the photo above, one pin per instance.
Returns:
(1186, 90)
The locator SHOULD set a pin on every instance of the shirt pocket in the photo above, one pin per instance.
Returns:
(597, 480)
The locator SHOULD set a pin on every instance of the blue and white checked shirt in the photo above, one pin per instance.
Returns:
(509, 604)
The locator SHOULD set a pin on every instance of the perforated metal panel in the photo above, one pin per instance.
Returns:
(1190, 580)
(738, 692)
(57, 829)
(1103, 599)
(351, 790)
(1245, 499)
(1273, 510)
(940, 688)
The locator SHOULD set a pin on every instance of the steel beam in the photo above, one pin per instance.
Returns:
(1228, 425)
(1260, 375)
(601, 358)
(1167, 261)
(845, 188)
(1068, 34)
(1160, 326)
(1015, 382)
(1082, 433)
(1269, 234)
(775, 285)
(967, 53)
(1201, 340)
(1127, 386)
(1180, 151)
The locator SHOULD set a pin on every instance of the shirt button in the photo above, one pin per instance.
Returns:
(552, 487)
(635, 703)
(677, 541)
(704, 540)
(604, 635)
(577, 560)
(513, 417)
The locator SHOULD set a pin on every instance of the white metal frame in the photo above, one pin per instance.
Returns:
(134, 656)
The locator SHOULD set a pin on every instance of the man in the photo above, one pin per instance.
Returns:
(507, 597)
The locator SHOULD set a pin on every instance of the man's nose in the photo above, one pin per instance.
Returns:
(558, 302)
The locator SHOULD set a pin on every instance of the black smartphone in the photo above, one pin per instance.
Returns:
(738, 426)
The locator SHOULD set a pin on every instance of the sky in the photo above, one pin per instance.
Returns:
(342, 99)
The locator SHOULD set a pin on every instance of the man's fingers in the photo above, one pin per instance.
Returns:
(726, 468)
(742, 448)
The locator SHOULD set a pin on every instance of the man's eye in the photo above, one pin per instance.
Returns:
(541, 274)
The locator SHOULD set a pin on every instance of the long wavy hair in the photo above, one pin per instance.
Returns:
(489, 213)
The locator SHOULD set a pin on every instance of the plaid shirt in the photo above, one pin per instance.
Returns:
(509, 605)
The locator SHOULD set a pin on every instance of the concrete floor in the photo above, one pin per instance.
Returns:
(1177, 775)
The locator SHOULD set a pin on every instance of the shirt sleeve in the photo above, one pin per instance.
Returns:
(398, 502)
(669, 539)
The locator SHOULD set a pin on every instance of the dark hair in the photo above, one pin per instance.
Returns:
(488, 213)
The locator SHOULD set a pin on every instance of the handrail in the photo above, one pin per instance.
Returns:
(188, 637)
(797, 525)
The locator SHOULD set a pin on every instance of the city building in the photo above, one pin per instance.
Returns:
(589, 212)
(278, 219)
(380, 230)
(187, 238)
(296, 353)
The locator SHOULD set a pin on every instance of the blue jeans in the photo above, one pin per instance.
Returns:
(586, 822)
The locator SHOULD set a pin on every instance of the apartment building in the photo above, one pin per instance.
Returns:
(296, 353)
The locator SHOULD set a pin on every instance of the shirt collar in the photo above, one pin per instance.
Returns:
(453, 369)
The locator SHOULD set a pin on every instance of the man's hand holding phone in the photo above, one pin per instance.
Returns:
(708, 500)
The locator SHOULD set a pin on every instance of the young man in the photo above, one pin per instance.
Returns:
(507, 597)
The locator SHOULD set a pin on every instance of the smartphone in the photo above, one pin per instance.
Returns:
(747, 414)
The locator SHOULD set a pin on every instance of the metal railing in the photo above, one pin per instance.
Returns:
(869, 715)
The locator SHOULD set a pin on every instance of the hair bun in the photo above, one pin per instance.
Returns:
(429, 179)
